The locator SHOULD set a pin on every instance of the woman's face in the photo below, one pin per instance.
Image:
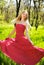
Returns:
(24, 15)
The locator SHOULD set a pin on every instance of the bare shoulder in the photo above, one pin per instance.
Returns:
(27, 21)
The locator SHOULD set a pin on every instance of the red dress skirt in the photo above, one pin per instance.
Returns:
(20, 49)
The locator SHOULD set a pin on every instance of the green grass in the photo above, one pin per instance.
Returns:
(5, 30)
(37, 37)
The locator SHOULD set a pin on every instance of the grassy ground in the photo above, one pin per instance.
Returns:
(37, 37)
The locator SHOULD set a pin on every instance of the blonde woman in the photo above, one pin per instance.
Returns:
(20, 48)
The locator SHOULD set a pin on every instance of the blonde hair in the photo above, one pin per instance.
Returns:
(19, 16)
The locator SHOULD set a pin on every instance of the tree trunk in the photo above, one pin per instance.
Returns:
(36, 14)
(17, 7)
(29, 10)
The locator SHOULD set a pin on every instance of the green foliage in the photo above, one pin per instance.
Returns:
(37, 37)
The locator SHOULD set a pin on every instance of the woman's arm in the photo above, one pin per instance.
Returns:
(13, 31)
(28, 25)
(28, 37)
(26, 32)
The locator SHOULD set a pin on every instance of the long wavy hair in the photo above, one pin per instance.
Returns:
(20, 14)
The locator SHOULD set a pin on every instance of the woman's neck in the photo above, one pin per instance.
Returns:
(22, 19)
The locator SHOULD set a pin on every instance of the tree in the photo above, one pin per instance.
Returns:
(36, 10)
(9, 11)
(2, 4)
(17, 7)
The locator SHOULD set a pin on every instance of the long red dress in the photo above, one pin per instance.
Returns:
(20, 49)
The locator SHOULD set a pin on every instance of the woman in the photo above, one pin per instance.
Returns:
(20, 48)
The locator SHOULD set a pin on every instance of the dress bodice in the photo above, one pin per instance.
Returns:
(20, 28)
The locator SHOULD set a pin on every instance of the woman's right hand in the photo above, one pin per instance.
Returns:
(7, 38)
